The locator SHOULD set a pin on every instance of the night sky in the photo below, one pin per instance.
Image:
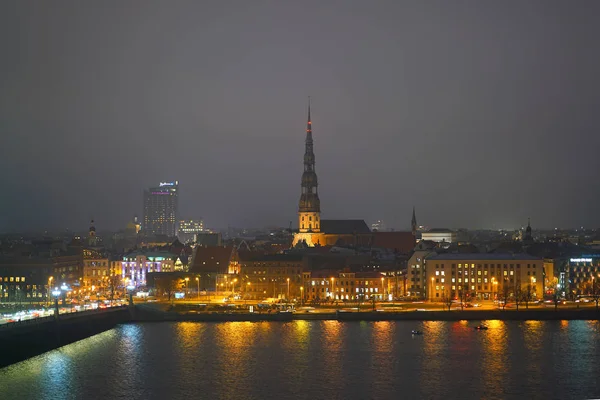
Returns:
(479, 113)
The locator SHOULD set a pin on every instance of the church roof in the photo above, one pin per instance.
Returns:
(344, 226)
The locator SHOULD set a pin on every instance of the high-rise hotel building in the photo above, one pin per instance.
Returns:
(161, 209)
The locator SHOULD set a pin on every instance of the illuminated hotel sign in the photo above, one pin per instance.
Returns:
(168, 183)
(581, 260)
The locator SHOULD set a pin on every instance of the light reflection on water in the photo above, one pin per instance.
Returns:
(318, 360)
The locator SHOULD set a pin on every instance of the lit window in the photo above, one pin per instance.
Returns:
(442, 280)
(437, 272)
(453, 280)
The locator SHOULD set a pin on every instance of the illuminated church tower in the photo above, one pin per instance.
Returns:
(309, 208)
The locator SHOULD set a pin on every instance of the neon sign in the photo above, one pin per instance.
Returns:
(581, 260)
(168, 183)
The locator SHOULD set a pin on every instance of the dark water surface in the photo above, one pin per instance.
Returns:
(318, 360)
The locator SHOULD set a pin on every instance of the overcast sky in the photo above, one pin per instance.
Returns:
(479, 113)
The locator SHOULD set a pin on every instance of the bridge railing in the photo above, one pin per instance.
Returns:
(69, 315)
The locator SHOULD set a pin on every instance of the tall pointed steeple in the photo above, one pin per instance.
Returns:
(309, 207)
(413, 223)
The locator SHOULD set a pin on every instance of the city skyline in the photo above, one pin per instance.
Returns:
(480, 116)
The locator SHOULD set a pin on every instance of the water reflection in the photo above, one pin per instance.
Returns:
(494, 357)
(318, 360)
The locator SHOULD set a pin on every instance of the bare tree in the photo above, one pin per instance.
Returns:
(447, 299)
(595, 293)
(518, 293)
(114, 282)
(167, 285)
(528, 295)
(556, 299)
(505, 293)
(463, 294)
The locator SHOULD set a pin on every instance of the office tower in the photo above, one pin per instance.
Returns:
(161, 209)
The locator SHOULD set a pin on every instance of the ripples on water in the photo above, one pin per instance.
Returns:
(318, 360)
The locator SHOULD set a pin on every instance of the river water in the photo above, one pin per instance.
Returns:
(318, 360)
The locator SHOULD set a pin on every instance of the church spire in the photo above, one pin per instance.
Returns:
(413, 222)
(309, 206)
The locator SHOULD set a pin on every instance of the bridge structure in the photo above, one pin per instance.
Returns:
(28, 338)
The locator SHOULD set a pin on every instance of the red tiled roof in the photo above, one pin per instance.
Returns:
(402, 242)
(211, 259)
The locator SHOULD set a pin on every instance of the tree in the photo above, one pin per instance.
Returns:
(595, 293)
(167, 285)
(447, 299)
(556, 299)
(505, 293)
(114, 282)
(528, 295)
(518, 294)
(463, 294)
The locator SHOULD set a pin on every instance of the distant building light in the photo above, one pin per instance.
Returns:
(581, 260)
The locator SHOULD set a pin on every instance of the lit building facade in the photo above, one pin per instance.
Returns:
(272, 276)
(580, 275)
(135, 266)
(439, 235)
(161, 206)
(188, 228)
(340, 286)
(483, 276)
(96, 273)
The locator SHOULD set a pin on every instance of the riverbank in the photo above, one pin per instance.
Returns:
(157, 313)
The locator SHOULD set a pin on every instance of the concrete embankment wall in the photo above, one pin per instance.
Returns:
(32, 338)
(473, 315)
(144, 314)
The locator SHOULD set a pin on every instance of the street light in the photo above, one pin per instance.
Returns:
(198, 282)
(56, 293)
(187, 279)
(48, 291)
(233, 285)
(288, 291)
(432, 278)
(130, 289)
(247, 291)
(382, 288)
(332, 279)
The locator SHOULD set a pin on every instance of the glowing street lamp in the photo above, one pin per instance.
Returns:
(332, 279)
(48, 291)
(56, 293)
(432, 279)
(301, 296)
(187, 279)
(288, 290)
(382, 288)
(198, 282)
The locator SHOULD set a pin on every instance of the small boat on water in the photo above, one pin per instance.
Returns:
(417, 332)
(481, 328)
